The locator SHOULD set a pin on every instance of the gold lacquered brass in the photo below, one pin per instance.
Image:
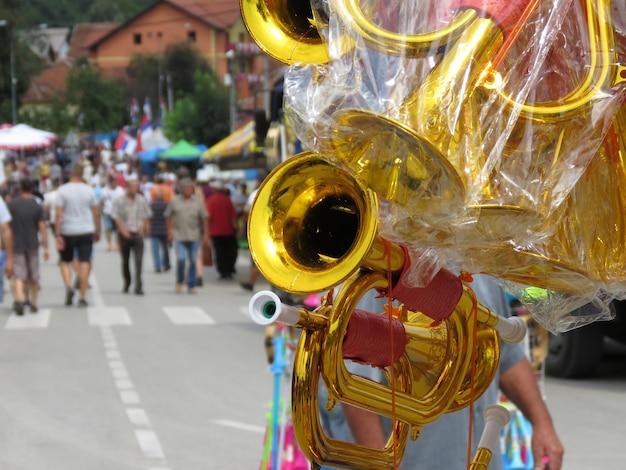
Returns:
(481, 460)
(412, 152)
(285, 30)
(431, 378)
(581, 254)
(312, 225)
(437, 359)
(603, 71)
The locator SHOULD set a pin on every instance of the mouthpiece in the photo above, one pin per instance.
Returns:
(511, 330)
(496, 417)
(266, 308)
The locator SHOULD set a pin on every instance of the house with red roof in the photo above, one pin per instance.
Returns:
(204, 23)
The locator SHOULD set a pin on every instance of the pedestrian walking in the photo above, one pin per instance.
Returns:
(131, 214)
(186, 216)
(158, 233)
(6, 249)
(77, 226)
(111, 192)
(28, 227)
(222, 222)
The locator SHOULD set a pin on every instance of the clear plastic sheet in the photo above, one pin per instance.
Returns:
(491, 132)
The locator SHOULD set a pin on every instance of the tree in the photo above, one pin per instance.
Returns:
(55, 117)
(142, 79)
(181, 62)
(27, 64)
(99, 102)
(202, 116)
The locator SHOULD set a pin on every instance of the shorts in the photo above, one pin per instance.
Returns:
(26, 266)
(77, 246)
(108, 222)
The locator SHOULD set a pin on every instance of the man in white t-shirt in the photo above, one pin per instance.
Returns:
(6, 253)
(77, 227)
(109, 194)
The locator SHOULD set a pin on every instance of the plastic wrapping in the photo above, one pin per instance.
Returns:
(488, 129)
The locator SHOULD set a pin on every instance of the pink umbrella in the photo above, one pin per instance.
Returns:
(23, 137)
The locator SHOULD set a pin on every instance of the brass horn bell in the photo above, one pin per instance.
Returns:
(312, 225)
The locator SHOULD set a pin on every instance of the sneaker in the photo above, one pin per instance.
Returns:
(157, 270)
(83, 303)
(191, 291)
(125, 289)
(69, 296)
(247, 286)
(19, 308)
(139, 292)
(33, 308)
(199, 282)
(179, 288)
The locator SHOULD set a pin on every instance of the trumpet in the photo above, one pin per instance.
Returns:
(431, 366)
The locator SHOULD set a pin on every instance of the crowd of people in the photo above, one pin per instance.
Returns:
(201, 221)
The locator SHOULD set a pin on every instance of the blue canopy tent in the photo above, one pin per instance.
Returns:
(149, 160)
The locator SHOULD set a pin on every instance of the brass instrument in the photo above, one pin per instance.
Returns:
(288, 30)
(578, 258)
(432, 376)
(312, 225)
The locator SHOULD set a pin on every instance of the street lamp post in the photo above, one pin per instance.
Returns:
(5, 24)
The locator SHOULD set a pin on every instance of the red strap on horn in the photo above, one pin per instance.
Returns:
(367, 339)
(437, 300)
(506, 13)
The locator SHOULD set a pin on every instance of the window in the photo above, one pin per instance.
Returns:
(159, 34)
(137, 38)
(191, 35)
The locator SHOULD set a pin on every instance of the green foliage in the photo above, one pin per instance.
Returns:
(99, 102)
(55, 117)
(181, 62)
(202, 116)
(142, 79)
(69, 12)
(27, 64)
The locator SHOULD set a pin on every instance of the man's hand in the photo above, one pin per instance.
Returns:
(124, 233)
(546, 447)
(60, 243)
(96, 236)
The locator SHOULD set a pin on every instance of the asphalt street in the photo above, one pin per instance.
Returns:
(180, 382)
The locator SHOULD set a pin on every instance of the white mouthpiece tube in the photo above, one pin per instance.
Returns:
(266, 308)
(512, 329)
(496, 417)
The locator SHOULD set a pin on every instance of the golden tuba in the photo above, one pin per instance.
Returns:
(430, 365)
(417, 153)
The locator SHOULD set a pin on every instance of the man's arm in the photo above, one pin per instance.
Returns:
(43, 238)
(519, 384)
(95, 211)
(365, 426)
(7, 241)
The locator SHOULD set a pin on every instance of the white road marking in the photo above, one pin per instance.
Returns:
(129, 397)
(149, 443)
(124, 384)
(120, 374)
(29, 321)
(113, 354)
(188, 316)
(241, 426)
(119, 365)
(103, 316)
(138, 417)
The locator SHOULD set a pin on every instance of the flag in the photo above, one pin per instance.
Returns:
(147, 111)
(134, 111)
(121, 140)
